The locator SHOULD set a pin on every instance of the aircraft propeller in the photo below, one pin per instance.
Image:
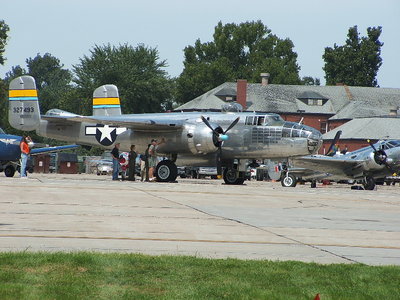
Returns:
(380, 156)
(221, 136)
(335, 139)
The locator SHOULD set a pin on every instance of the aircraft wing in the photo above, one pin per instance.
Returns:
(37, 151)
(138, 124)
(329, 165)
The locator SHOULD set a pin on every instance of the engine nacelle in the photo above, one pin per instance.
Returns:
(371, 163)
(201, 139)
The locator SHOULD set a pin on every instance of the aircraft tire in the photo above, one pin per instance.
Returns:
(9, 171)
(240, 180)
(289, 180)
(166, 171)
(231, 176)
(369, 184)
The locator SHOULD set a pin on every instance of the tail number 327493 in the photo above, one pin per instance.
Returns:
(20, 109)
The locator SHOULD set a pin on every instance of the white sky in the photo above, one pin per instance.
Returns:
(68, 29)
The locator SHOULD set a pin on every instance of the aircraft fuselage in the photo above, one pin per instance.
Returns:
(255, 136)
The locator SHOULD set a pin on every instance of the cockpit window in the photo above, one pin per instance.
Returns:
(393, 144)
(295, 130)
(385, 146)
(263, 120)
(249, 120)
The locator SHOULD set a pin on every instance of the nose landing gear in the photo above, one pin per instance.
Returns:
(288, 180)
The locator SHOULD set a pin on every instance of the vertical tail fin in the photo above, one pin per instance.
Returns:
(23, 109)
(106, 101)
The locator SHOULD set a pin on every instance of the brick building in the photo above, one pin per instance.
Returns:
(322, 107)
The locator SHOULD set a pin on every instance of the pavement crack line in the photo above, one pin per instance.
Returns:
(249, 225)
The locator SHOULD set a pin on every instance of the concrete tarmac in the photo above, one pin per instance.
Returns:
(204, 218)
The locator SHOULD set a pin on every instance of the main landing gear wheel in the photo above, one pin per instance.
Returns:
(369, 183)
(166, 171)
(232, 176)
(289, 180)
(9, 171)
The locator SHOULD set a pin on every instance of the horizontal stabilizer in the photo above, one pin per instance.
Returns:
(37, 151)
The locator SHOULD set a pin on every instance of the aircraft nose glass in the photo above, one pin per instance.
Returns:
(314, 141)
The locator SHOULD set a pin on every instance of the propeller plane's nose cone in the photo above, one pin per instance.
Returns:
(223, 137)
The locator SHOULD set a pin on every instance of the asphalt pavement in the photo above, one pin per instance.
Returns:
(204, 218)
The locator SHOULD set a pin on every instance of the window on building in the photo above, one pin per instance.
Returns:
(315, 102)
(323, 127)
(312, 98)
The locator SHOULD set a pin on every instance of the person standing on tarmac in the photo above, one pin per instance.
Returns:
(152, 158)
(145, 158)
(132, 164)
(115, 157)
(25, 150)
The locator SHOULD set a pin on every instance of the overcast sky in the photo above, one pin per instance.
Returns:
(68, 29)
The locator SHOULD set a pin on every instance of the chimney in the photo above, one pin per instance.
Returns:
(264, 78)
(348, 93)
(241, 93)
(393, 111)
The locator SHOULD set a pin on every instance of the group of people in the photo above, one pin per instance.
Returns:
(148, 162)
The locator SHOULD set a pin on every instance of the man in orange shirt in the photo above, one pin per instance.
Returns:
(25, 150)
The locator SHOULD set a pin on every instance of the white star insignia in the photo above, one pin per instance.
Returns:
(106, 132)
(8, 141)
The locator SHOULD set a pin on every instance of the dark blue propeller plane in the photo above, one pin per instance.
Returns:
(10, 152)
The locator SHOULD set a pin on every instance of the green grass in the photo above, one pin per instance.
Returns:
(86, 275)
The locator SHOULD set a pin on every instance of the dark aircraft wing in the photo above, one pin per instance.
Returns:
(37, 151)
(331, 165)
(141, 124)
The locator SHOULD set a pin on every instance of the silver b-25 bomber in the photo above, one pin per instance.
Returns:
(226, 140)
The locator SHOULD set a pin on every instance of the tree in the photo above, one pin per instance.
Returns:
(357, 62)
(52, 81)
(137, 72)
(14, 73)
(3, 106)
(308, 80)
(237, 52)
(3, 39)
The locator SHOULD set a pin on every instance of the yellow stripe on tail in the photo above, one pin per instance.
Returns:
(106, 101)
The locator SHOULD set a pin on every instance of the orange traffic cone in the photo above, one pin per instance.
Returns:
(317, 297)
